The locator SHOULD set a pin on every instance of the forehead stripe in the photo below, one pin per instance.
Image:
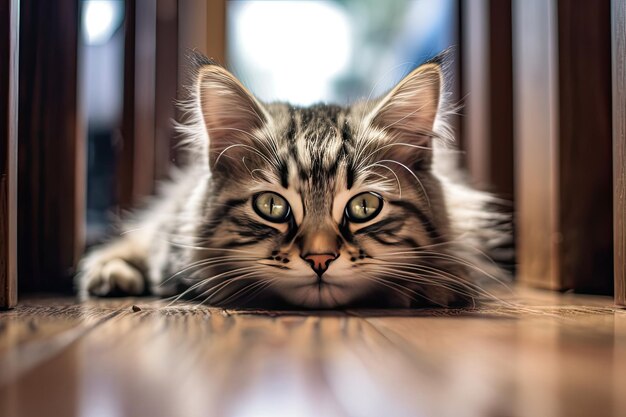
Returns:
(284, 174)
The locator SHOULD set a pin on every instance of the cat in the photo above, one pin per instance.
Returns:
(311, 207)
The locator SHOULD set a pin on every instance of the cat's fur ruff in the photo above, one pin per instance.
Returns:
(202, 238)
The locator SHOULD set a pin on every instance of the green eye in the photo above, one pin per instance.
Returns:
(364, 207)
(271, 206)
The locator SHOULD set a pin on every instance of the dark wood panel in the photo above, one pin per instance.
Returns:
(563, 144)
(145, 71)
(166, 86)
(51, 156)
(501, 161)
(158, 36)
(619, 147)
(9, 28)
(486, 44)
(136, 169)
(584, 164)
(126, 151)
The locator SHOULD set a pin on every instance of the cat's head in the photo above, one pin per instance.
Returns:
(324, 206)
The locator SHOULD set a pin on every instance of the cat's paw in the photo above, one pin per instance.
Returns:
(101, 277)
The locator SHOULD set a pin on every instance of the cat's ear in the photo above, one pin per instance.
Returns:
(231, 115)
(407, 115)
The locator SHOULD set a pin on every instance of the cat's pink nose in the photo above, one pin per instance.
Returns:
(320, 261)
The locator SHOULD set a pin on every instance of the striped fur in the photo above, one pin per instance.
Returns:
(203, 239)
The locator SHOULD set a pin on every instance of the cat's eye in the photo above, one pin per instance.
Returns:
(271, 206)
(364, 207)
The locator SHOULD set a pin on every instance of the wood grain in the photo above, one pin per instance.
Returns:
(559, 355)
(618, 26)
(563, 144)
(9, 29)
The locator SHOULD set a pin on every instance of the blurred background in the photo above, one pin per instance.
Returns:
(98, 81)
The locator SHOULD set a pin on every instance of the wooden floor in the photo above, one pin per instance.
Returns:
(560, 355)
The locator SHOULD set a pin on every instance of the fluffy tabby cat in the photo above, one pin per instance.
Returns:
(316, 207)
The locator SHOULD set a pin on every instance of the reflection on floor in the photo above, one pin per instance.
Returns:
(559, 355)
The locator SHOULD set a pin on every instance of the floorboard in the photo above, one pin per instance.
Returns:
(533, 354)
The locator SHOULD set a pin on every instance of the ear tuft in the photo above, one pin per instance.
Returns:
(198, 59)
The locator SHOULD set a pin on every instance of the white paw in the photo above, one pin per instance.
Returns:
(104, 277)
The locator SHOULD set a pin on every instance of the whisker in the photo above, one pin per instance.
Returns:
(410, 171)
(425, 279)
(401, 289)
(446, 257)
(442, 276)
(256, 287)
(208, 262)
(209, 279)
(213, 291)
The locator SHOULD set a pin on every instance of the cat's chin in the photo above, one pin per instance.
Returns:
(319, 295)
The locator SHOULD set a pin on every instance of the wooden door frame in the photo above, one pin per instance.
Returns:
(9, 57)
(563, 144)
(135, 176)
(618, 30)
(158, 38)
(487, 88)
(151, 72)
(51, 165)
